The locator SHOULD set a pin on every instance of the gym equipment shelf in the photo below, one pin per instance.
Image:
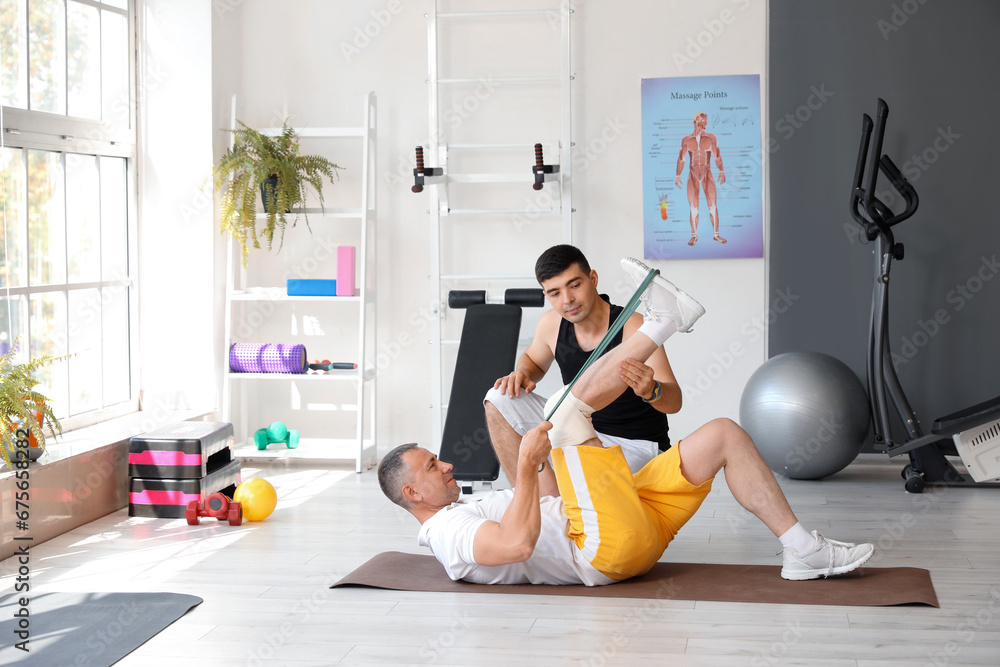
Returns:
(362, 447)
(316, 210)
(325, 377)
(275, 294)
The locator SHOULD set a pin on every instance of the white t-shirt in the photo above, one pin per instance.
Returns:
(556, 560)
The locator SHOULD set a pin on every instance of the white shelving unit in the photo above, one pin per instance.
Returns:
(239, 388)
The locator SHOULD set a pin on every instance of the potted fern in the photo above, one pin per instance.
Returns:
(23, 411)
(272, 168)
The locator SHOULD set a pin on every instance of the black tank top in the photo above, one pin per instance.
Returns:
(628, 416)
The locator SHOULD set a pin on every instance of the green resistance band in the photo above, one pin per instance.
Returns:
(619, 322)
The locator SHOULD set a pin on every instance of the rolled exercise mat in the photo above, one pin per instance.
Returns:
(267, 358)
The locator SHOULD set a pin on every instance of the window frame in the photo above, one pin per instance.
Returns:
(28, 130)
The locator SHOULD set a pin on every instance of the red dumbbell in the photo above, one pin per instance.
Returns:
(216, 505)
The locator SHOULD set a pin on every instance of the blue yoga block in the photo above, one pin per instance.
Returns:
(311, 287)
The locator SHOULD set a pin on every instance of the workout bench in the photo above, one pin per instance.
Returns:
(487, 350)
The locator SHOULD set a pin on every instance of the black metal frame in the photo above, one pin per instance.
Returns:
(927, 460)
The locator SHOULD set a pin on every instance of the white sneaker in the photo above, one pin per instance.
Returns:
(662, 298)
(827, 558)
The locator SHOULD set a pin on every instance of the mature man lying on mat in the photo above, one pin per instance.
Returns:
(608, 525)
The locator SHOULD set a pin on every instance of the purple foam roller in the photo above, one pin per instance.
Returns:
(267, 358)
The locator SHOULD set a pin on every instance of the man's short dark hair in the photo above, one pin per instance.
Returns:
(557, 259)
(393, 474)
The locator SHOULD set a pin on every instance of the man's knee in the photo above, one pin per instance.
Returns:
(729, 433)
(724, 427)
(520, 413)
(719, 432)
(725, 424)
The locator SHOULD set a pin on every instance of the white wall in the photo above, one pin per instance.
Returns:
(177, 352)
(313, 61)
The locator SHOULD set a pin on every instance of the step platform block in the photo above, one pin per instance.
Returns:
(168, 498)
(186, 450)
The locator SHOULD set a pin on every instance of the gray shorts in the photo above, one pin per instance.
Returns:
(528, 410)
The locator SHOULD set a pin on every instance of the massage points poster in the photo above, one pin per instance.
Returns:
(701, 167)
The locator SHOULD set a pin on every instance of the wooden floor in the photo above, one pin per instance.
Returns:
(267, 601)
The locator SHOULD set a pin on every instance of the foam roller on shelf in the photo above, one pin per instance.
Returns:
(267, 358)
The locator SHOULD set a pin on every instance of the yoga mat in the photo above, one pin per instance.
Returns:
(267, 358)
(866, 587)
(93, 629)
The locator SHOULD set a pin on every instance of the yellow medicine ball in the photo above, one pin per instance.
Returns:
(257, 498)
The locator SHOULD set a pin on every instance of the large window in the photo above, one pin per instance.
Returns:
(67, 154)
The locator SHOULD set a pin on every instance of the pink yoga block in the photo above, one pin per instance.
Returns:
(345, 270)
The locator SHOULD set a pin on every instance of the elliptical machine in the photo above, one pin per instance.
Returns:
(973, 432)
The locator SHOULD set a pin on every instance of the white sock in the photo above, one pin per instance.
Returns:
(798, 539)
(658, 331)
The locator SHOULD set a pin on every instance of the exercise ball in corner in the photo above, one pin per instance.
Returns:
(807, 413)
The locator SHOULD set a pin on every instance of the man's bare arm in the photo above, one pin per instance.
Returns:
(513, 539)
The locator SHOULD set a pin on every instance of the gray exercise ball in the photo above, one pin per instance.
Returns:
(807, 413)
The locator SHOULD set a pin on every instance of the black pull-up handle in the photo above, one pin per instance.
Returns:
(539, 169)
(419, 171)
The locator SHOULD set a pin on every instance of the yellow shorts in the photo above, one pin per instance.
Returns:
(623, 523)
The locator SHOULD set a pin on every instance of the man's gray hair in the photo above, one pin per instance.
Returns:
(393, 474)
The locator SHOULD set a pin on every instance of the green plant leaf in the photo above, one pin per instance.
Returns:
(247, 165)
(19, 402)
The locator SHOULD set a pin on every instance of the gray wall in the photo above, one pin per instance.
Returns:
(934, 63)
